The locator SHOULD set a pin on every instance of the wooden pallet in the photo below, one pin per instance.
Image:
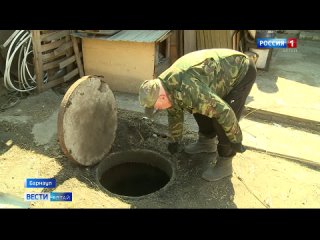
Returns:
(57, 58)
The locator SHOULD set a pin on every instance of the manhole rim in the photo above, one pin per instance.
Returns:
(162, 156)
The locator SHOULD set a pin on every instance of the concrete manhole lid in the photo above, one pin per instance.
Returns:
(87, 121)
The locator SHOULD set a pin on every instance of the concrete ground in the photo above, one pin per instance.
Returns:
(291, 86)
(280, 169)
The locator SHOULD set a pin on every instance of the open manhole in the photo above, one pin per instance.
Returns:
(87, 124)
(134, 173)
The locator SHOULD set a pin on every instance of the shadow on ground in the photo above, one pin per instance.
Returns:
(266, 82)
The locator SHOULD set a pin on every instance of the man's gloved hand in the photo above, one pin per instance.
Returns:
(173, 147)
(238, 147)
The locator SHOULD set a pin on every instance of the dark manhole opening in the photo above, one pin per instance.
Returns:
(134, 173)
(134, 179)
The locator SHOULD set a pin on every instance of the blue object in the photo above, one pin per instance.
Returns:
(40, 183)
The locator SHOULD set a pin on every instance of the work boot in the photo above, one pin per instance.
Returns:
(225, 150)
(203, 145)
(216, 171)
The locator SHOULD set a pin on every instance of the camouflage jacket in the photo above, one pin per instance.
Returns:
(197, 82)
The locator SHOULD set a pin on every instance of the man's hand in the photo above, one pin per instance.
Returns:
(173, 147)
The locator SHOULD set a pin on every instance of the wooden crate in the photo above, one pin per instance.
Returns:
(57, 58)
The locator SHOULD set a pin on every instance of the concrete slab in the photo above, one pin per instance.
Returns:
(291, 86)
(292, 98)
(278, 183)
(272, 137)
(289, 34)
(315, 36)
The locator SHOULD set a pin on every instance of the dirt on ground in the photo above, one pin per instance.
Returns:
(29, 148)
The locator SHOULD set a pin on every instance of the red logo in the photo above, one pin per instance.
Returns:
(292, 43)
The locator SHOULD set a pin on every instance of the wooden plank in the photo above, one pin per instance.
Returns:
(229, 39)
(234, 39)
(205, 39)
(227, 36)
(47, 31)
(63, 48)
(51, 56)
(77, 55)
(174, 46)
(69, 53)
(52, 45)
(238, 37)
(190, 43)
(208, 39)
(67, 61)
(219, 39)
(45, 35)
(55, 35)
(53, 83)
(199, 39)
(156, 54)
(51, 73)
(168, 48)
(215, 37)
(223, 39)
(37, 58)
(71, 74)
(53, 64)
(180, 43)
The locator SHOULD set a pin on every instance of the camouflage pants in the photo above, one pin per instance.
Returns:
(236, 100)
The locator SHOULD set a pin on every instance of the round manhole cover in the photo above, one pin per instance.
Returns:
(87, 121)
